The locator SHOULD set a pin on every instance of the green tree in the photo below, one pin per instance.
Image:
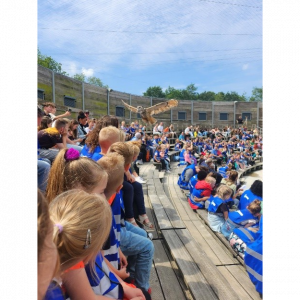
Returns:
(172, 93)
(190, 92)
(257, 94)
(50, 63)
(155, 91)
(220, 96)
(207, 96)
(234, 96)
(95, 80)
(79, 76)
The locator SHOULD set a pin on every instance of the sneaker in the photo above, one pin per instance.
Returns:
(168, 171)
(139, 180)
(139, 162)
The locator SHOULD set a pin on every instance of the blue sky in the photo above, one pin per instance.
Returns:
(132, 45)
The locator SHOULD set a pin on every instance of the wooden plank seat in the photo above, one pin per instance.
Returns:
(172, 154)
(200, 274)
(215, 246)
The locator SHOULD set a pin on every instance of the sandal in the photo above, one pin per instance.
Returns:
(133, 222)
(144, 219)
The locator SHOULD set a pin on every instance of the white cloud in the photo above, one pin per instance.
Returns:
(245, 66)
(100, 37)
(87, 72)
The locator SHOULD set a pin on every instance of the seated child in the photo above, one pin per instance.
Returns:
(201, 192)
(186, 175)
(242, 218)
(199, 176)
(218, 209)
(48, 262)
(77, 242)
(131, 239)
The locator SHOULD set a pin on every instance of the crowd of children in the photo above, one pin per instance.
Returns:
(90, 200)
(90, 246)
(231, 209)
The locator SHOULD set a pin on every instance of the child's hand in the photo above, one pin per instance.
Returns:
(122, 273)
(123, 259)
(133, 293)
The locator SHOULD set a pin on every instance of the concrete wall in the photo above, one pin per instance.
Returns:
(96, 100)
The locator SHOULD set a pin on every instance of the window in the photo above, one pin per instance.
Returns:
(181, 115)
(223, 116)
(41, 94)
(120, 111)
(69, 101)
(138, 116)
(202, 116)
(244, 115)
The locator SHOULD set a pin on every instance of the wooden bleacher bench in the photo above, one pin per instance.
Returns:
(207, 269)
(200, 274)
(158, 165)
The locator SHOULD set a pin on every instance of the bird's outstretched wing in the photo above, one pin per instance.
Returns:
(133, 109)
(161, 107)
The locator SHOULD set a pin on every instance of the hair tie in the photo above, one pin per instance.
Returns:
(71, 154)
(60, 227)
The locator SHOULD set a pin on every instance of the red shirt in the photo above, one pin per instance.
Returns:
(203, 185)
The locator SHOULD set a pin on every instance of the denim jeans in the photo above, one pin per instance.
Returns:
(133, 193)
(43, 171)
(140, 250)
(76, 147)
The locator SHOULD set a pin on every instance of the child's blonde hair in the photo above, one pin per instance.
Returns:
(135, 146)
(75, 214)
(211, 180)
(124, 149)
(108, 136)
(44, 223)
(65, 175)
(224, 191)
(113, 164)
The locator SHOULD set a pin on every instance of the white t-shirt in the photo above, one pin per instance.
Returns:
(160, 128)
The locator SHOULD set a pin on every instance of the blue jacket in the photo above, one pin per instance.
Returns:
(196, 193)
(246, 198)
(193, 182)
(54, 292)
(241, 217)
(254, 259)
(215, 202)
(181, 157)
(222, 171)
(245, 235)
(183, 184)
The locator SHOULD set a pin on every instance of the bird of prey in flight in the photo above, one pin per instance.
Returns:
(147, 113)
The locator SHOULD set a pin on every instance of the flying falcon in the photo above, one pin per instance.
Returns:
(146, 113)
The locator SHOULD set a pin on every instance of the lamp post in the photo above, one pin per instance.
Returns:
(234, 121)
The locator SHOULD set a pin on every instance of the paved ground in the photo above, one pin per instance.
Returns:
(249, 179)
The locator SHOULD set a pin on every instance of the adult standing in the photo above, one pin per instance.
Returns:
(240, 120)
(82, 134)
(87, 114)
(160, 127)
